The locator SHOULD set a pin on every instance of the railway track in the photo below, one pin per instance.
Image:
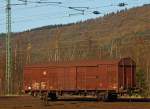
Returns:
(29, 102)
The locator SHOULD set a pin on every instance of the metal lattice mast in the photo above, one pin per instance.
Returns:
(8, 73)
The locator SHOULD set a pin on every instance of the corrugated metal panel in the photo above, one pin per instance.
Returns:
(112, 76)
(103, 77)
(35, 77)
(70, 78)
(87, 78)
(126, 73)
(96, 75)
(52, 77)
(61, 78)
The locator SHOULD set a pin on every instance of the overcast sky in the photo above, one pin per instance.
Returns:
(34, 15)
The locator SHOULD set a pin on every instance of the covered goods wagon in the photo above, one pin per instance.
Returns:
(94, 77)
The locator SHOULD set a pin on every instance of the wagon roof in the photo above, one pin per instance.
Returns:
(80, 63)
(76, 63)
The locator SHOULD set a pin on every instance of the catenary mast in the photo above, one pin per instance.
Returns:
(8, 72)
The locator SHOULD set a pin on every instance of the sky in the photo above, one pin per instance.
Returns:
(33, 15)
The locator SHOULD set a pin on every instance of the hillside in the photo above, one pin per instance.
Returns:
(112, 33)
(116, 35)
(126, 26)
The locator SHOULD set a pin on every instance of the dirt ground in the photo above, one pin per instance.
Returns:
(28, 102)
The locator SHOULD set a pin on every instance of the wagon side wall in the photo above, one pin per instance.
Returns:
(34, 78)
(108, 76)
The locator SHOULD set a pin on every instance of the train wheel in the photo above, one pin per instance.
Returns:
(100, 96)
(103, 96)
(113, 96)
(52, 96)
(108, 96)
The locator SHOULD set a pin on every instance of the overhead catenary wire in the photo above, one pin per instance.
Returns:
(73, 8)
(52, 3)
(76, 8)
(32, 18)
(32, 7)
(82, 10)
(44, 5)
(69, 14)
(63, 6)
(38, 4)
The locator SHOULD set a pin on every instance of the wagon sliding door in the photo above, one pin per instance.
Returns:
(66, 78)
(108, 77)
(87, 78)
(128, 76)
(127, 73)
(53, 80)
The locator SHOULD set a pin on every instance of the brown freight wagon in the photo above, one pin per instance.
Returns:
(105, 79)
